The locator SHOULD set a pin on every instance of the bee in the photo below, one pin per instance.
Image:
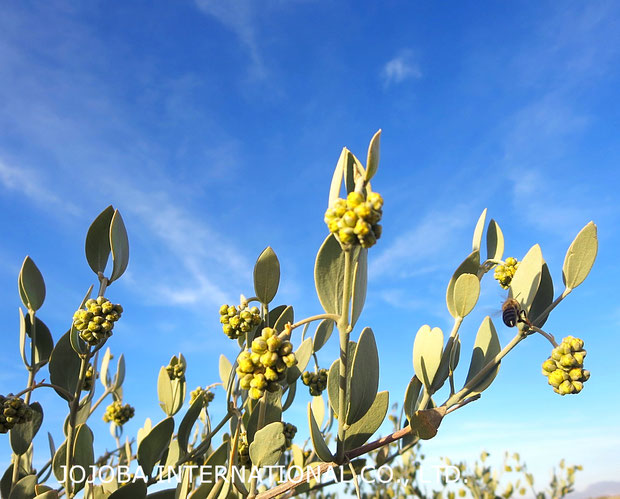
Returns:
(512, 313)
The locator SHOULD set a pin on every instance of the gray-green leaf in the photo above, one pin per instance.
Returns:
(486, 347)
(153, 446)
(268, 445)
(364, 377)
(119, 244)
(97, 246)
(266, 275)
(580, 257)
(31, 285)
(470, 265)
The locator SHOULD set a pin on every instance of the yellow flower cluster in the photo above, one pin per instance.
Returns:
(96, 320)
(118, 413)
(505, 273)
(13, 411)
(564, 369)
(264, 366)
(289, 434)
(237, 321)
(176, 368)
(208, 396)
(89, 379)
(356, 220)
(317, 382)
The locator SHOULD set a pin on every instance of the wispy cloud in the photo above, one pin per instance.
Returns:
(240, 17)
(400, 68)
(30, 183)
(408, 254)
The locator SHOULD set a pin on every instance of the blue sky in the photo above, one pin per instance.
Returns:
(214, 127)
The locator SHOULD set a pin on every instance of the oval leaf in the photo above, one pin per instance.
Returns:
(411, 397)
(22, 434)
(132, 490)
(372, 162)
(542, 299)
(361, 431)
(44, 344)
(303, 354)
(188, 421)
(322, 334)
(336, 184)
(153, 446)
(470, 265)
(24, 489)
(119, 244)
(97, 246)
(268, 445)
(360, 285)
(478, 231)
(495, 241)
(527, 278)
(427, 354)
(580, 257)
(486, 347)
(364, 377)
(31, 285)
(318, 442)
(466, 293)
(225, 368)
(266, 275)
(64, 365)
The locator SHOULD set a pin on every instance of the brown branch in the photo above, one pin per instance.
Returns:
(323, 467)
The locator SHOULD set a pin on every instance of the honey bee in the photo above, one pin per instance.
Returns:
(512, 313)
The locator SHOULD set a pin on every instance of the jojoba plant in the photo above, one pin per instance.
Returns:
(275, 348)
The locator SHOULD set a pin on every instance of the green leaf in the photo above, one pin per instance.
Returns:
(44, 344)
(580, 257)
(352, 169)
(486, 347)
(59, 460)
(542, 299)
(286, 316)
(24, 489)
(466, 293)
(470, 265)
(219, 456)
(290, 396)
(329, 276)
(411, 397)
(77, 343)
(132, 490)
(495, 241)
(103, 371)
(98, 241)
(302, 354)
(268, 445)
(425, 423)
(171, 393)
(6, 481)
(527, 278)
(266, 275)
(333, 378)
(119, 244)
(83, 452)
(49, 494)
(336, 184)
(427, 354)
(64, 366)
(318, 409)
(322, 334)
(444, 366)
(477, 240)
(360, 285)
(22, 434)
(361, 431)
(372, 162)
(31, 285)
(273, 413)
(364, 377)
(225, 368)
(153, 446)
(318, 442)
(188, 421)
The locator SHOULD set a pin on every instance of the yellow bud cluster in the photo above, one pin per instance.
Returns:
(244, 451)
(236, 321)
(89, 379)
(289, 434)
(13, 411)
(263, 366)
(208, 396)
(118, 413)
(96, 320)
(317, 382)
(504, 273)
(564, 369)
(356, 220)
(176, 368)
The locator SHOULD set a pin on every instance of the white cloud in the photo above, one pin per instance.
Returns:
(409, 253)
(240, 17)
(31, 184)
(400, 68)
